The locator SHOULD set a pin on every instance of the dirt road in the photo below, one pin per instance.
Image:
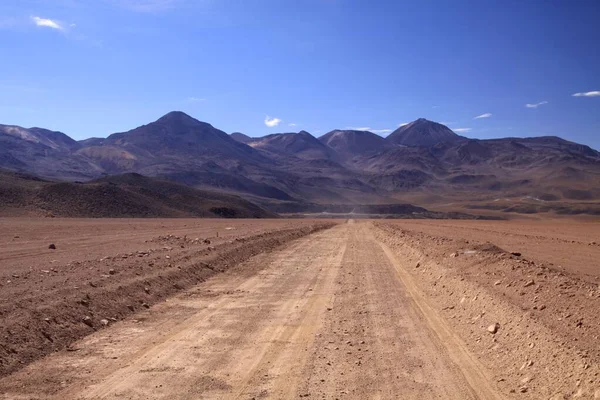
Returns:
(333, 315)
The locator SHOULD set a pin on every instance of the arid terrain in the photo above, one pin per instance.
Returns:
(207, 309)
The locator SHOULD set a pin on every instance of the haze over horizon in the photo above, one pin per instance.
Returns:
(484, 70)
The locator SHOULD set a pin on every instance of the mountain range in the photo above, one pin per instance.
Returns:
(422, 162)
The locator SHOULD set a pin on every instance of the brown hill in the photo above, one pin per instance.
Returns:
(128, 195)
(301, 145)
(44, 152)
(352, 143)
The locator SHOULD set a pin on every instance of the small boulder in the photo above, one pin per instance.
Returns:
(493, 328)
(88, 321)
(52, 246)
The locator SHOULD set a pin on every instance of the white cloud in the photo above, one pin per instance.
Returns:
(446, 123)
(47, 23)
(486, 115)
(536, 105)
(272, 122)
(292, 124)
(403, 124)
(461, 130)
(593, 93)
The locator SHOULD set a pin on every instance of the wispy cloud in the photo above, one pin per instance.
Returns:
(272, 122)
(536, 105)
(486, 115)
(47, 23)
(292, 124)
(403, 124)
(446, 123)
(593, 93)
(461, 130)
(367, 129)
(193, 99)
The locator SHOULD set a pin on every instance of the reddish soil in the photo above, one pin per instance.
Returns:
(103, 270)
(366, 309)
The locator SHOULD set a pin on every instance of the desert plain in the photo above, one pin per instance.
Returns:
(332, 309)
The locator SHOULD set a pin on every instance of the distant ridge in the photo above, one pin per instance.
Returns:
(422, 163)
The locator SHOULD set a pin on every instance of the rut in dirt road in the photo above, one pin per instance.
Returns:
(330, 316)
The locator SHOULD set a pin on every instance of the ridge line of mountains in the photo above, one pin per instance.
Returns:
(423, 163)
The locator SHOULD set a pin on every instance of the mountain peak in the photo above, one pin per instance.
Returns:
(179, 117)
(423, 132)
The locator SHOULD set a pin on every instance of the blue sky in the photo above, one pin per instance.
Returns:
(95, 67)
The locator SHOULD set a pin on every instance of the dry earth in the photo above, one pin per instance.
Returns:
(364, 309)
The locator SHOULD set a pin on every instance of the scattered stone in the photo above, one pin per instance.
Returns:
(454, 255)
(112, 271)
(147, 290)
(131, 308)
(52, 246)
(497, 283)
(529, 283)
(145, 305)
(88, 321)
(516, 254)
(104, 322)
(493, 328)
(418, 265)
(523, 389)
